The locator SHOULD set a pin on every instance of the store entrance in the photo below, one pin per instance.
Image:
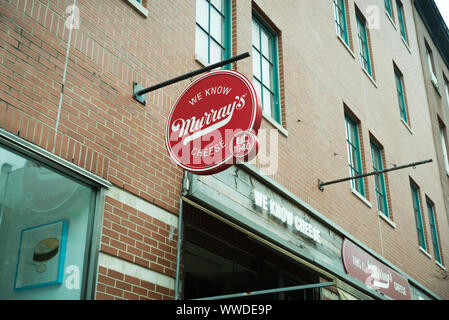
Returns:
(219, 259)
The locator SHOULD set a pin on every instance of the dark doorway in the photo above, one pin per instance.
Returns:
(219, 259)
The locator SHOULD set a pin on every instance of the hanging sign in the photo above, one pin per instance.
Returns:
(376, 275)
(214, 123)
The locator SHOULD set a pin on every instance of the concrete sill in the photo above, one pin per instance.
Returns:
(425, 252)
(406, 44)
(407, 126)
(362, 198)
(275, 124)
(346, 46)
(371, 78)
(391, 20)
(139, 7)
(437, 89)
(440, 265)
(387, 220)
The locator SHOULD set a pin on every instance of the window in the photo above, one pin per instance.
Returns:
(446, 89)
(379, 179)
(401, 95)
(433, 229)
(212, 39)
(354, 154)
(362, 35)
(340, 20)
(401, 17)
(444, 145)
(429, 56)
(418, 217)
(389, 8)
(265, 68)
(45, 218)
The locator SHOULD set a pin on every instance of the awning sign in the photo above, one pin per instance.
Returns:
(376, 275)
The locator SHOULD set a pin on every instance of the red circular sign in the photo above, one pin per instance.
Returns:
(203, 127)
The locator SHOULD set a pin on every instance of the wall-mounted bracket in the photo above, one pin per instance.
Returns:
(139, 92)
(321, 184)
(142, 98)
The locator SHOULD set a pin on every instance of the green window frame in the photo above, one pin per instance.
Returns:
(354, 154)
(340, 20)
(379, 179)
(401, 95)
(433, 229)
(265, 68)
(401, 18)
(213, 31)
(362, 36)
(418, 216)
(389, 8)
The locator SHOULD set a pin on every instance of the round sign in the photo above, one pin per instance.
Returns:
(213, 122)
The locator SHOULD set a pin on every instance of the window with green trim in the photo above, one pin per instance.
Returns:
(354, 154)
(401, 17)
(212, 38)
(389, 8)
(379, 179)
(444, 145)
(340, 20)
(265, 68)
(446, 89)
(418, 216)
(433, 229)
(401, 94)
(430, 64)
(362, 36)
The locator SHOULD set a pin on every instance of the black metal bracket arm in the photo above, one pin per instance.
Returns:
(321, 184)
(139, 92)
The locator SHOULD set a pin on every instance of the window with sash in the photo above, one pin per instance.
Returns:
(418, 215)
(212, 38)
(379, 179)
(354, 154)
(364, 46)
(265, 68)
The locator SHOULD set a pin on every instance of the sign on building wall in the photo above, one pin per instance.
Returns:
(213, 123)
(241, 197)
(376, 275)
(286, 218)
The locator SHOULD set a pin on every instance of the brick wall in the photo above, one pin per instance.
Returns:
(137, 237)
(113, 285)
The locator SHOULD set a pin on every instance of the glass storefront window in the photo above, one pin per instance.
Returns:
(44, 219)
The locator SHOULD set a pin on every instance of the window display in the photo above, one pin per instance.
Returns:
(44, 222)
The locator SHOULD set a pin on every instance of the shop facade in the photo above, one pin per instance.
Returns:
(242, 210)
(241, 233)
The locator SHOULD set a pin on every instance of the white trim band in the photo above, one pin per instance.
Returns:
(143, 206)
(135, 271)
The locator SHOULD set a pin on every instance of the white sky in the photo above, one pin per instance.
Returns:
(443, 6)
